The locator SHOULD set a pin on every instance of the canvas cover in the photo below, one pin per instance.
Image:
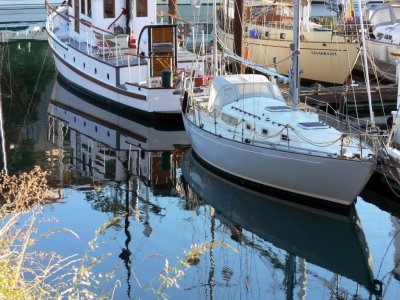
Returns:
(229, 88)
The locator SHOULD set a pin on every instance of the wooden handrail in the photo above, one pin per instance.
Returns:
(149, 57)
(161, 13)
(84, 22)
(49, 6)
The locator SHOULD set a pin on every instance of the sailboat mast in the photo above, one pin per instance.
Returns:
(295, 76)
(215, 42)
(238, 23)
(366, 74)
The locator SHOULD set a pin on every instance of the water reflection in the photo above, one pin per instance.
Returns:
(119, 162)
(148, 175)
(105, 146)
(332, 242)
(27, 74)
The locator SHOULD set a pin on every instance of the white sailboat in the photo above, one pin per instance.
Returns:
(244, 128)
(115, 50)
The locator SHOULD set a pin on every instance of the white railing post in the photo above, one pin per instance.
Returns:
(104, 46)
(138, 63)
(116, 48)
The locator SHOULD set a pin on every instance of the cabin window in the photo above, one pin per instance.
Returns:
(388, 37)
(284, 137)
(229, 119)
(89, 8)
(266, 34)
(141, 8)
(229, 93)
(109, 8)
(253, 90)
(282, 36)
(83, 7)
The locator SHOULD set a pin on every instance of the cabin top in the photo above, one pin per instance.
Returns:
(229, 88)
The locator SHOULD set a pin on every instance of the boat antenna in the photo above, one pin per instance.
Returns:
(215, 42)
(295, 47)
(366, 74)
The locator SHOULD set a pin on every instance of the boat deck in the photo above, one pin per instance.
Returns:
(114, 57)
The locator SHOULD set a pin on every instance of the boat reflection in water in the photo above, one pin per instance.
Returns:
(106, 146)
(123, 161)
(329, 241)
(123, 165)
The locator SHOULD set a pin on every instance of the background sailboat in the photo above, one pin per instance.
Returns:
(327, 55)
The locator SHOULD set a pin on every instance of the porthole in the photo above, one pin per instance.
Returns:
(108, 133)
(84, 65)
(84, 123)
(284, 137)
(108, 76)
(74, 59)
(264, 131)
(95, 128)
(95, 71)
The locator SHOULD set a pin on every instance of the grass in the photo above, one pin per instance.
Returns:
(26, 274)
(30, 274)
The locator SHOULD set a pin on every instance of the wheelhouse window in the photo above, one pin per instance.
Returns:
(109, 8)
(141, 8)
(89, 8)
(83, 7)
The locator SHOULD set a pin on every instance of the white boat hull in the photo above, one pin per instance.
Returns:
(334, 181)
(143, 100)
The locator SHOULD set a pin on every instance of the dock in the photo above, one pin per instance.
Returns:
(351, 99)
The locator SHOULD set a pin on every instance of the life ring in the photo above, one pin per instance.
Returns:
(132, 43)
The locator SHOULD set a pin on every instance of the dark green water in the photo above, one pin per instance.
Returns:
(110, 165)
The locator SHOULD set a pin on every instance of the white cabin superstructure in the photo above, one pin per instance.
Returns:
(114, 49)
